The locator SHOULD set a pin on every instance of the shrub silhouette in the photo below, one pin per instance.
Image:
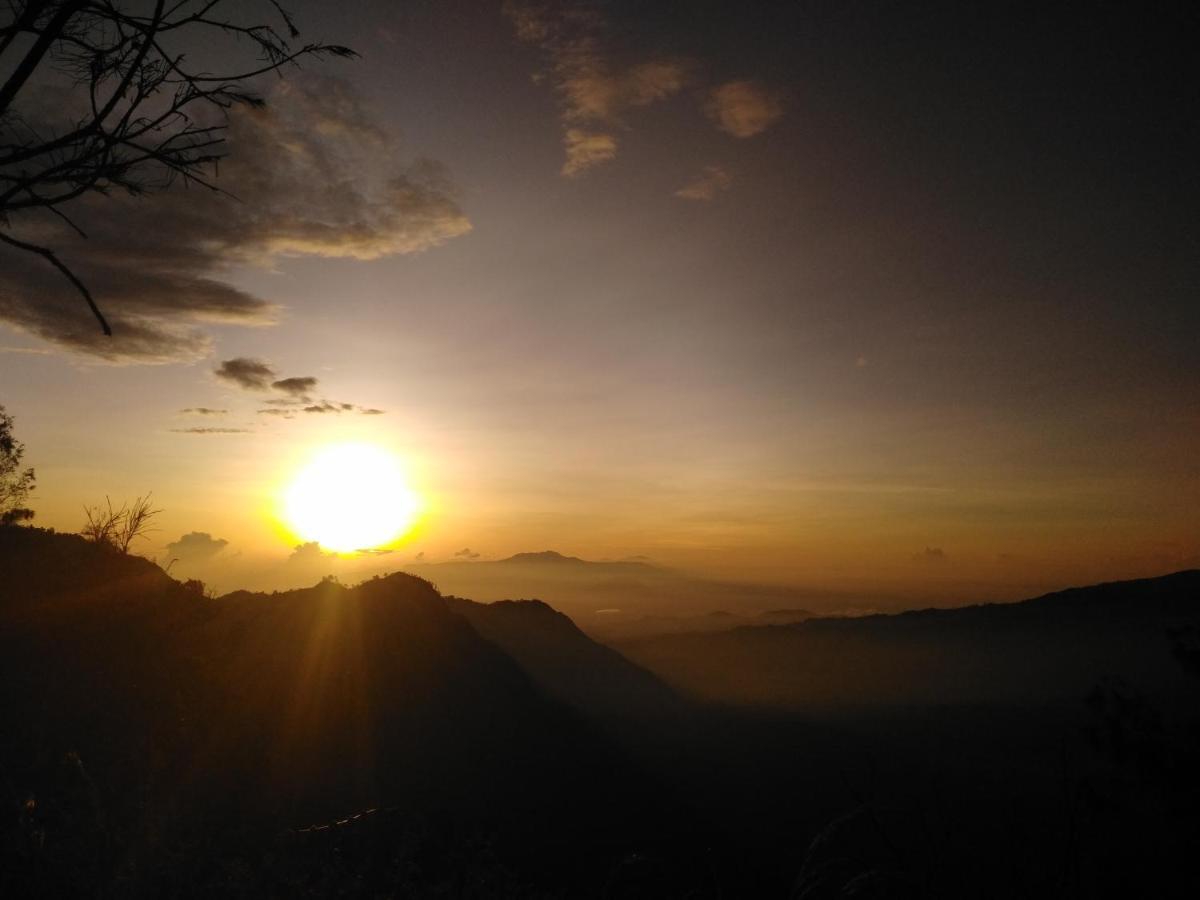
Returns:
(118, 528)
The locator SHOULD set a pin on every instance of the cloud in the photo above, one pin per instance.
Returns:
(593, 88)
(201, 430)
(196, 546)
(419, 557)
(249, 374)
(202, 411)
(324, 407)
(466, 553)
(300, 386)
(586, 149)
(743, 108)
(309, 552)
(706, 185)
(312, 174)
(930, 555)
(259, 376)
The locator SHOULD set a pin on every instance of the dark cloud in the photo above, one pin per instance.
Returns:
(249, 374)
(296, 386)
(202, 411)
(201, 430)
(196, 546)
(286, 407)
(930, 554)
(419, 557)
(466, 553)
(324, 407)
(312, 173)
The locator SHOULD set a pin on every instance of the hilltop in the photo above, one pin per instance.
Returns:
(1050, 648)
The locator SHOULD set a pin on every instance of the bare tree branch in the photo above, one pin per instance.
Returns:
(144, 126)
(48, 255)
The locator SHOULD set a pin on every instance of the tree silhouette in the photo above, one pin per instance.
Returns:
(148, 115)
(15, 484)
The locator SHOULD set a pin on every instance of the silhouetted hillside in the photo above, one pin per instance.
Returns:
(384, 740)
(619, 598)
(144, 718)
(568, 664)
(1050, 648)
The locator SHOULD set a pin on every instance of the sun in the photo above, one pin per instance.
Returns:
(350, 497)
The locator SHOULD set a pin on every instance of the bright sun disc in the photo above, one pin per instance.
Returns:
(350, 497)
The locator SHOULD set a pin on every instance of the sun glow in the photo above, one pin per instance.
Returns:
(350, 497)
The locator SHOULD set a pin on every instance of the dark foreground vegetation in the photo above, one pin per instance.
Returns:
(384, 740)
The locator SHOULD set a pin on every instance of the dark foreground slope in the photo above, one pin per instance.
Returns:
(1052, 648)
(568, 664)
(1042, 749)
(156, 740)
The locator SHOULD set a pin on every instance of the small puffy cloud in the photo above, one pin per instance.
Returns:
(282, 413)
(309, 552)
(706, 185)
(930, 555)
(202, 411)
(203, 430)
(586, 149)
(371, 411)
(248, 374)
(743, 108)
(300, 386)
(420, 557)
(196, 546)
(466, 553)
(313, 173)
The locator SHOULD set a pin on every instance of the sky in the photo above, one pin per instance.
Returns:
(888, 299)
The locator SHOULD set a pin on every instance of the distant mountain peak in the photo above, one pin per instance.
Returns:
(543, 556)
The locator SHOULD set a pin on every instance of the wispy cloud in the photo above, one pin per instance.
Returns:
(705, 186)
(930, 555)
(743, 108)
(313, 173)
(586, 149)
(202, 411)
(595, 92)
(204, 430)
